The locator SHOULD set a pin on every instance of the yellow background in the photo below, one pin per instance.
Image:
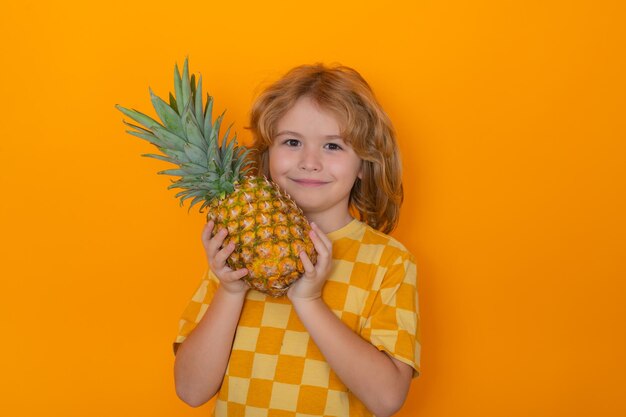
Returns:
(510, 117)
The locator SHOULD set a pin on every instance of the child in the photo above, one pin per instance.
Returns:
(344, 342)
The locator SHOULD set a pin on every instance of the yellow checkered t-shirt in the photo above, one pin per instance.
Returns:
(276, 370)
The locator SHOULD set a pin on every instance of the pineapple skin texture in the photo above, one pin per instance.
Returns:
(269, 231)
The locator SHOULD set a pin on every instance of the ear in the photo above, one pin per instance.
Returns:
(360, 174)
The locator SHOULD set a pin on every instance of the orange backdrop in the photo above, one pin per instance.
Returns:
(510, 117)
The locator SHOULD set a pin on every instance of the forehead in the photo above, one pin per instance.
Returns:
(307, 113)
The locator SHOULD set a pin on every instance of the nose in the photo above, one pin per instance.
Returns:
(310, 160)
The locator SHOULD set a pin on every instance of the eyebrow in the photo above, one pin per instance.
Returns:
(292, 133)
(288, 132)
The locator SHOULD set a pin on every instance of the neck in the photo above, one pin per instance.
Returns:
(327, 223)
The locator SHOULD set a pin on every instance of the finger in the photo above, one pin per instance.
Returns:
(215, 243)
(222, 255)
(235, 275)
(327, 242)
(324, 252)
(206, 232)
(309, 268)
(320, 247)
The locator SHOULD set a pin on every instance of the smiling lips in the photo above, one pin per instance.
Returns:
(309, 183)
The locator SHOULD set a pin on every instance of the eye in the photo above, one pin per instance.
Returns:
(333, 147)
(291, 142)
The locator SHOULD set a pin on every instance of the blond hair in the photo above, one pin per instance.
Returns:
(376, 197)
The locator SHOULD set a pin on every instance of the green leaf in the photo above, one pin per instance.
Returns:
(147, 136)
(213, 141)
(180, 193)
(198, 103)
(208, 117)
(170, 140)
(228, 155)
(168, 116)
(217, 125)
(139, 117)
(242, 161)
(211, 177)
(177, 172)
(161, 158)
(136, 127)
(186, 89)
(196, 200)
(195, 154)
(180, 156)
(211, 158)
(205, 205)
(225, 143)
(226, 185)
(193, 132)
(193, 169)
(198, 193)
(173, 104)
(194, 186)
(178, 90)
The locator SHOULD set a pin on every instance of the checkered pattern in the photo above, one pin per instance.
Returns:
(276, 370)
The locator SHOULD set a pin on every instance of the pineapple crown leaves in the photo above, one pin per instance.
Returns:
(187, 136)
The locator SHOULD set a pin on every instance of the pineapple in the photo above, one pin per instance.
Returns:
(267, 227)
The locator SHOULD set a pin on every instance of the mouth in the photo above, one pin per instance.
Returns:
(309, 182)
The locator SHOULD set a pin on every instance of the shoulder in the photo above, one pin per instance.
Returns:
(376, 236)
(393, 247)
(370, 245)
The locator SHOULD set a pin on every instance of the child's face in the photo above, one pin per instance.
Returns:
(309, 160)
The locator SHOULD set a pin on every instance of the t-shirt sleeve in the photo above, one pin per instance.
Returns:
(196, 307)
(393, 323)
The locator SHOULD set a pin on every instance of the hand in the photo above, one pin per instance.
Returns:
(309, 286)
(216, 256)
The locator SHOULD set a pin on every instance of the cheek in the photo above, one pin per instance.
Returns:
(271, 172)
(358, 166)
(275, 163)
(349, 169)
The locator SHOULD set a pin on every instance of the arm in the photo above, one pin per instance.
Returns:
(202, 358)
(378, 380)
